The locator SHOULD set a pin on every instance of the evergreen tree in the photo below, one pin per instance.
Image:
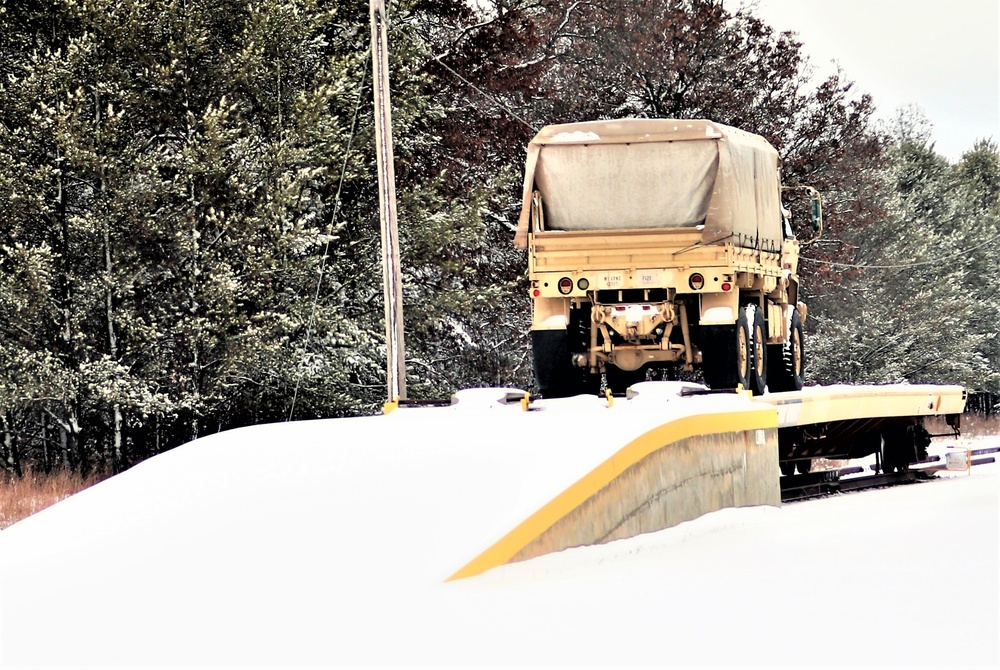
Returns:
(913, 307)
(977, 188)
(177, 176)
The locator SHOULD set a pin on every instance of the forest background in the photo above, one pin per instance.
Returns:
(189, 231)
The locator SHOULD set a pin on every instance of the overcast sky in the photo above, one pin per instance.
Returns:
(943, 57)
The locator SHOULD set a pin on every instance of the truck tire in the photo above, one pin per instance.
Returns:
(725, 354)
(786, 362)
(555, 374)
(758, 352)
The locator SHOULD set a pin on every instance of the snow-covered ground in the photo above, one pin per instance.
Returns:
(328, 543)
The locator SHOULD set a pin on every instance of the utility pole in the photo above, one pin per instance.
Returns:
(392, 283)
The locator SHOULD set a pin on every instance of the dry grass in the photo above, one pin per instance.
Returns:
(22, 497)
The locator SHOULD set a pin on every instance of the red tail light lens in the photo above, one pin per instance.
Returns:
(696, 281)
(565, 285)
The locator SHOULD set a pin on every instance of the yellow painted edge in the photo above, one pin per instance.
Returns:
(689, 426)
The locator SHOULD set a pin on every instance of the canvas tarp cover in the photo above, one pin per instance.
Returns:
(642, 185)
(659, 173)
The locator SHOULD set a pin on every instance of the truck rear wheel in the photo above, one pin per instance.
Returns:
(786, 362)
(726, 354)
(758, 353)
(555, 374)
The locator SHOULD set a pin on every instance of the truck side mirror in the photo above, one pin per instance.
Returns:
(817, 214)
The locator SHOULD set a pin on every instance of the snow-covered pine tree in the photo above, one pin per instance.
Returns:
(910, 307)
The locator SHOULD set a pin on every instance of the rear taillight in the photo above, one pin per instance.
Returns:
(696, 281)
(565, 285)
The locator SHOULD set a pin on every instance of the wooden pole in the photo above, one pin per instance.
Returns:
(392, 283)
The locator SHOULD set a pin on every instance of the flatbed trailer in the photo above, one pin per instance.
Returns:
(849, 422)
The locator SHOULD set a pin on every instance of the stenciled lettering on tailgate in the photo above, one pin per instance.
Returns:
(650, 279)
(613, 280)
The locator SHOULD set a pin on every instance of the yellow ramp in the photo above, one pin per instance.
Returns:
(721, 453)
(708, 453)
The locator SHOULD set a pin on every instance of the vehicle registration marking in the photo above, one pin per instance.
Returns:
(613, 280)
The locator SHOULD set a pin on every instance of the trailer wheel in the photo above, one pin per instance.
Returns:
(555, 374)
(888, 465)
(786, 362)
(726, 354)
(903, 445)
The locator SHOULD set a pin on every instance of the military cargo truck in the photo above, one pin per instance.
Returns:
(658, 242)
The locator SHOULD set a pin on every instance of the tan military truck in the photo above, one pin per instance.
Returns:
(657, 242)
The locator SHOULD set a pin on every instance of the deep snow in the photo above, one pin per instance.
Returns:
(328, 542)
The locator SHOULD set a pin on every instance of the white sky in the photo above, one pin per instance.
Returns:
(942, 56)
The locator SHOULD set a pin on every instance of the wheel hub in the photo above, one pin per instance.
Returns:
(797, 353)
(743, 350)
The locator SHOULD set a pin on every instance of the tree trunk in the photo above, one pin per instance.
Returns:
(64, 445)
(46, 456)
(118, 464)
(13, 455)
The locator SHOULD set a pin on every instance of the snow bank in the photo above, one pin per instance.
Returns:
(327, 542)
